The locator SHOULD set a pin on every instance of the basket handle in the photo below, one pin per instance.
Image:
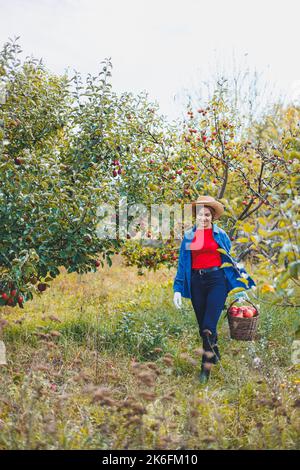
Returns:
(235, 300)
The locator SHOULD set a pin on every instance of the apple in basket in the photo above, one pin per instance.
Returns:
(244, 311)
(236, 312)
(249, 312)
(233, 309)
(253, 310)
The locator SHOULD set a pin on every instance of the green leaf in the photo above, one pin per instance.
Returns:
(242, 279)
(237, 289)
(221, 250)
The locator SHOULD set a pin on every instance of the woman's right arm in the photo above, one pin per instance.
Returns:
(179, 278)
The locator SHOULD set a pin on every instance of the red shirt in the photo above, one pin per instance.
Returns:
(204, 254)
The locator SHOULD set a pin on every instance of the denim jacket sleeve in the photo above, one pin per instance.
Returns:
(227, 242)
(179, 278)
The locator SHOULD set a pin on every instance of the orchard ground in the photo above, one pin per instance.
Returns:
(105, 361)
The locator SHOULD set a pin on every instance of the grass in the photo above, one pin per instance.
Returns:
(105, 361)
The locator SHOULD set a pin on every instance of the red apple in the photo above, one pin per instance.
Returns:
(234, 309)
(248, 313)
(237, 312)
(243, 308)
(238, 315)
(4, 296)
(253, 309)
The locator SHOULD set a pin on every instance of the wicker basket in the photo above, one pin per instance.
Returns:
(243, 329)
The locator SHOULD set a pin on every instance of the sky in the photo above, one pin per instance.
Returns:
(167, 48)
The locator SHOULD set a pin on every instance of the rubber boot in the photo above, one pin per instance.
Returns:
(204, 374)
(217, 356)
(210, 344)
(206, 361)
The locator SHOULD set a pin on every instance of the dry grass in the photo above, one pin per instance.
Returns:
(104, 360)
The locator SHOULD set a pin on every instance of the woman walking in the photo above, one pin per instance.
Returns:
(201, 278)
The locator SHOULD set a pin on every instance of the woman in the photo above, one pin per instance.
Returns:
(201, 277)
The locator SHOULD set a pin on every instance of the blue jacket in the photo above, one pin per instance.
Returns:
(182, 281)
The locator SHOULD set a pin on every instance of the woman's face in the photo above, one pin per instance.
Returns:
(203, 217)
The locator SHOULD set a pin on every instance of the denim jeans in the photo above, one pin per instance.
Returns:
(208, 296)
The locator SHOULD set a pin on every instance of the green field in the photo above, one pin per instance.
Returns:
(105, 361)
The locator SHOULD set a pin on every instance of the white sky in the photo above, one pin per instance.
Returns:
(161, 46)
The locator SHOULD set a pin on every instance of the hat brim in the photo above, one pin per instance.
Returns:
(219, 209)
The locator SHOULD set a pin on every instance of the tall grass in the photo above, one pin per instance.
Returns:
(104, 360)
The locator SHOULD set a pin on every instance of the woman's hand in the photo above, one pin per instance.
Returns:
(177, 300)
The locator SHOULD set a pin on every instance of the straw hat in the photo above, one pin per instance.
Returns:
(210, 201)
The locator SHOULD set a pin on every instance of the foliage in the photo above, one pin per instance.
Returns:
(123, 372)
(70, 147)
